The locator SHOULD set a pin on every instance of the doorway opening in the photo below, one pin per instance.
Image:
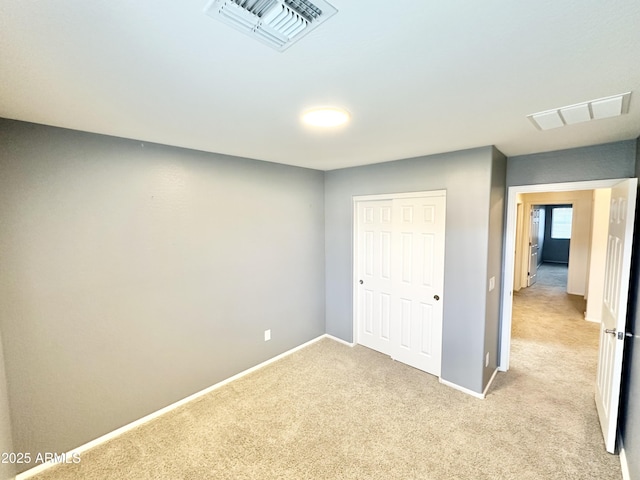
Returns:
(519, 201)
(617, 264)
(549, 330)
(550, 230)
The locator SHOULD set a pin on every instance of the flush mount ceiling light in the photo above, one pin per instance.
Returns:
(277, 23)
(597, 109)
(326, 117)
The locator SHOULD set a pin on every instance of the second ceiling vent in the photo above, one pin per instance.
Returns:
(277, 23)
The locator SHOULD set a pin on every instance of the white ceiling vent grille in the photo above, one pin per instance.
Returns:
(582, 112)
(278, 23)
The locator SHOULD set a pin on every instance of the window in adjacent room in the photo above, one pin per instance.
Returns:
(561, 222)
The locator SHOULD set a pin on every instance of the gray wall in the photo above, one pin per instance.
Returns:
(136, 274)
(611, 160)
(7, 470)
(630, 411)
(466, 176)
(494, 263)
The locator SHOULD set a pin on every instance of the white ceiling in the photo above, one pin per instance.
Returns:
(419, 77)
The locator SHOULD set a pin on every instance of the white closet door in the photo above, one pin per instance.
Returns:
(374, 263)
(400, 273)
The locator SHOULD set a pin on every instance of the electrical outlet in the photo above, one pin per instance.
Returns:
(492, 283)
(486, 360)
(267, 335)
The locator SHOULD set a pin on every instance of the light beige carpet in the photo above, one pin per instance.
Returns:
(334, 412)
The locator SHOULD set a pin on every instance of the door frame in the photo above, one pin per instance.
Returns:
(509, 249)
(527, 229)
(354, 234)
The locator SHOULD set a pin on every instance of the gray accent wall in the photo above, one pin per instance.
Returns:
(630, 411)
(467, 178)
(494, 263)
(135, 274)
(598, 162)
(7, 470)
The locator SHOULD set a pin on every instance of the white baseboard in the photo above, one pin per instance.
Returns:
(462, 389)
(339, 340)
(594, 320)
(482, 395)
(104, 438)
(486, 389)
(624, 466)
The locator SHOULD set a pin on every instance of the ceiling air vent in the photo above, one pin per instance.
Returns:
(278, 23)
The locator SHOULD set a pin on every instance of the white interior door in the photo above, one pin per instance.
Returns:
(400, 277)
(419, 274)
(534, 232)
(614, 309)
(373, 264)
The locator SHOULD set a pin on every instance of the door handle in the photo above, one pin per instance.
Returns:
(361, 282)
(612, 331)
(436, 297)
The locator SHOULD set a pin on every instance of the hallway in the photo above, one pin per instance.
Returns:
(554, 353)
(545, 313)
